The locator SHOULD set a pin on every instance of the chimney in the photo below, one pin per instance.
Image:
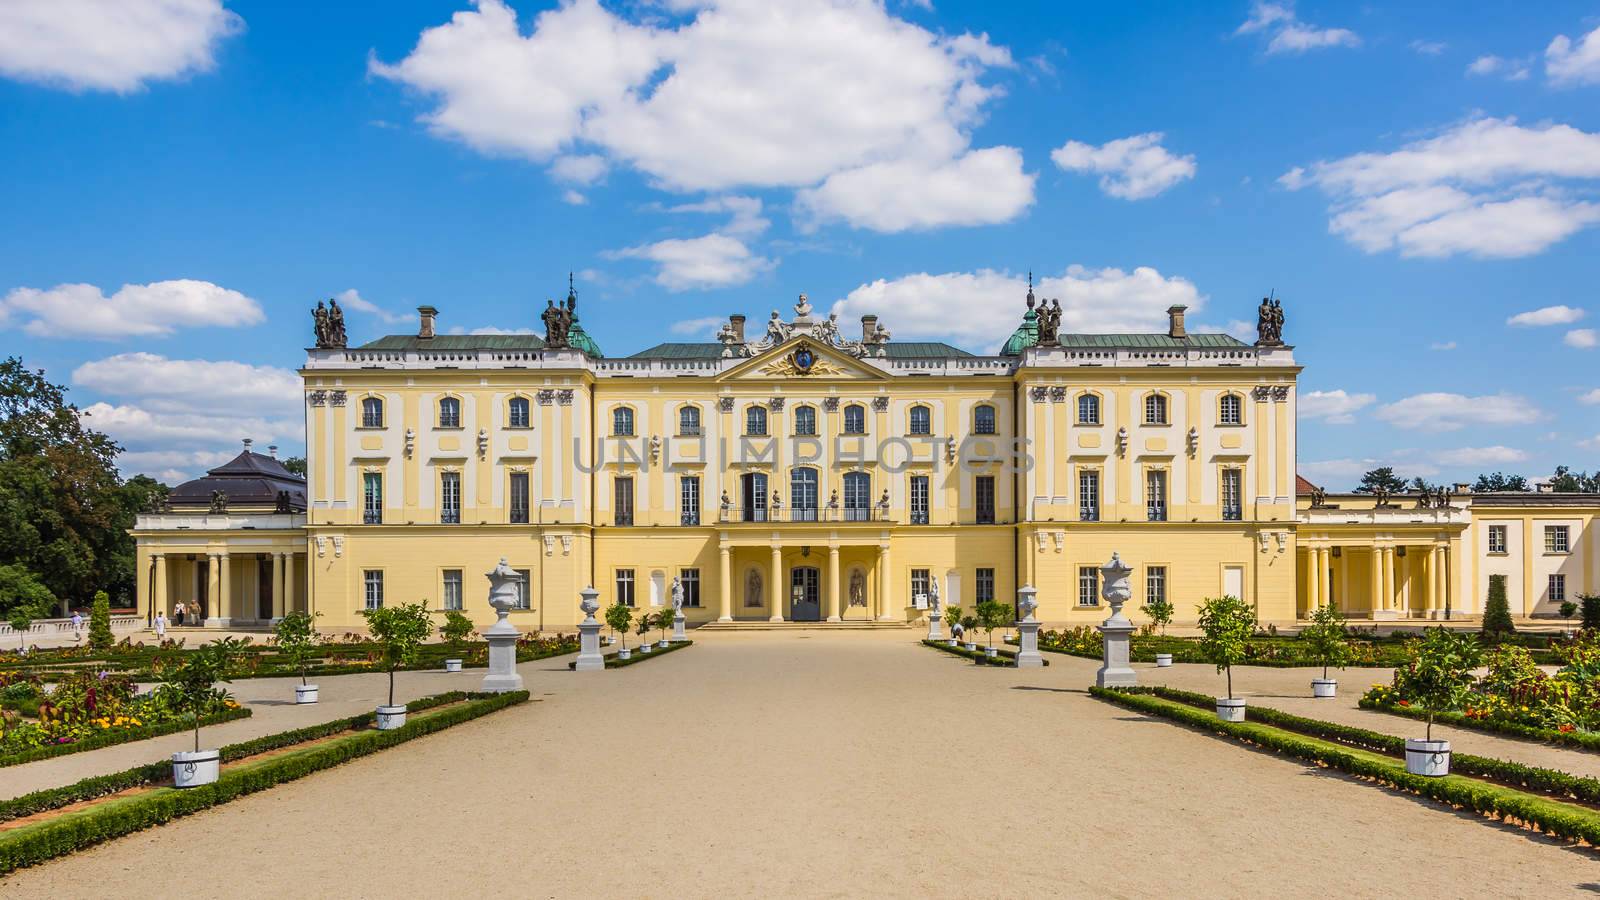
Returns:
(1175, 322)
(1461, 487)
(869, 328)
(426, 315)
(272, 450)
(247, 443)
(737, 322)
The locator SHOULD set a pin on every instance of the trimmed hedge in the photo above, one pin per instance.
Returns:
(1552, 817)
(111, 738)
(634, 656)
(1583, 740)
(1006, 657)
(34, 843)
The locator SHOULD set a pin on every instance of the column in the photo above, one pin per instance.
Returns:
(214, 605)
(886, 611)
(725, 585)
(1313, 580)
(833, 584)
(1375, 579)
(1388, 578)
(1325, 577)
(289, 584)
(158, 594)
(277, 587)
(775, 579)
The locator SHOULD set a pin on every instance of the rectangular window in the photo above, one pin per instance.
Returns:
(372, 498)
(1555, 539)
(452, 588)
(373, 578)
(1088, 586)
(518, 417)
(524, 584)
(450, 498)
(689, 499)
(519, 498)
(625, 587)
(919, 583)
(1497, 538)
(623, 498)
(1558, 588)
(919, 499)
(1232, 491)
(1155, 584)
(1089, 495)
(1155, 495)
(754, 485)
(985, 585)
(691, 587)
(983, 487)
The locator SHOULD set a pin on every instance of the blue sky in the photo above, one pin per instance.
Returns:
(184, 180)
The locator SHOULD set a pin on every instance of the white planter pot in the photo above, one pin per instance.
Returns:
(970, 645)
(194, 769)
(624, 653)
(951, 642)
(1230, 709)
(611, 639)
(391, 717)
(644, 648)
(1324, 688)
(305, 693)
(452, 665)
(1163, 660)
(664, 643)
(1430, 758)
(990, 652)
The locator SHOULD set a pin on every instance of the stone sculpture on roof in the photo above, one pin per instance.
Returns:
(328, 323)
(1269, 323)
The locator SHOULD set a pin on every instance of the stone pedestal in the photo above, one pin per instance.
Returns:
(502, 635)
(590, 658)
(677, 627)
(1028, 629)
(1116, 631)
(936, 623)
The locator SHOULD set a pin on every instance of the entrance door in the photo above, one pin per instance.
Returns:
(1233, 581)
(805, 594)
(264, 588)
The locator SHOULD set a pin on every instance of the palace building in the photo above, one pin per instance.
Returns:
(806, 472)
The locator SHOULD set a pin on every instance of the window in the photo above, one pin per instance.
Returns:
(803, 495)
(919, 582)
(622, 422)
(755, 421)
(919, 499)
(857, 496)
(983, 489)
(1558, 588)
(1155, 495)
(373, 578)
(519, 498)
(452, 588)
(625, 587)
(1230, 410)
(1155, 584)
(517, 412)
(372, 498)
(524, 583)
(690, 578)
(805, 420)
(449, 413)
(855, 419)
(1232, 500)
(1088, 409)
(1155, 409)
(450, 498)
(623, 499)
(1088, 586)
(983, 419)
(1089, 495)
(1555, 539)
(985, 585)
(371, 413)
(689, 421)
(1497, 538)
(921, 420)
(754, 501)
(689, 499)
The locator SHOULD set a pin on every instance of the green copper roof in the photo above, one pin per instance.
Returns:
(1026, 335)
(454, 342)
(580, 340)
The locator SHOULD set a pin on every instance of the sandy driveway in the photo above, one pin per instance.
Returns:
(817, 764)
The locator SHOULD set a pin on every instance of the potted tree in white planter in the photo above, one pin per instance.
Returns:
(1328, 644)
(663, 621)
(642, 629)
(191, 686)
(400, 631)
(1160, 613)
(952, 618)
(455, 630)
(1227, 623)
(297, 642)
(969, 628)
(1438, 678)
(619, 617)
(993, 614)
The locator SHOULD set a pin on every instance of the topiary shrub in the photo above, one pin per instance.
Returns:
(100, 637)
(1228, 623)
(1591, 611)
(1497, 610)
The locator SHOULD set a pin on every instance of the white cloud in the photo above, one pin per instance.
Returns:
(110, 45)
(175, 466)
(1442, 345)
(1428, 48)
(143, 429)
(1567, 63)
(1581, 338)
(584, 169)
(709, 261)
(1590, 397)
(1497, 455)
(1486, 187)
(982, 308)
(1591, 443)
(352, 299)
(135, 310)
(1441, 411)
(222, 387)
(981, 187)
(1289, 34)
(1509, 69)
(703, 327)
(745, 212)
(1547, 315)
(1132, 168)
(1332, 407)
(573, 198)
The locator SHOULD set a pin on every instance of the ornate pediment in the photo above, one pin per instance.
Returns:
(802, 358)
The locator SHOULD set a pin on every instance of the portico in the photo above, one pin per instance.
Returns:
(823, 577)
(1383, 559)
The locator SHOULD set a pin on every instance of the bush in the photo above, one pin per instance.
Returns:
(1005, 657)
(1439, 675)
(1228, 623)
(1160, 613)
(1590, 607)
(1497, 610)
(618, 617)
(1325, 638)
(400, 630)
(100, 637)
(455, 630)
(190, 686)
(1567, 609)
(993, 614)
(297, 639)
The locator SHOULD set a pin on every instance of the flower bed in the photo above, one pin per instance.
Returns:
(1267, 650)
(87, 712)
(612, 662)
(109, 816)
(1005, 657)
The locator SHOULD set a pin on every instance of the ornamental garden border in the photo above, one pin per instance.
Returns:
(1004, 658)
(1580, 740)
(612, 662)
(115, 736)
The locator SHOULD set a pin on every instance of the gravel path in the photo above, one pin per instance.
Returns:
(816, 764)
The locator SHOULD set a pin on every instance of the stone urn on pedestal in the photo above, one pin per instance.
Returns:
(502, 636)
(1117, 631)
(1028, 629)
(589, 657)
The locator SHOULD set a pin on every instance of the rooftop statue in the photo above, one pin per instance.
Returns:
(1269, 323)
(1049, 322)
(328, 322)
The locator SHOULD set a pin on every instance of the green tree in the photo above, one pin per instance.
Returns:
(1439, 674)
(455, 630)
(1382, 477)
(1499, 481)
(1160, 613)
(20, 617)
(297, 639)
(619, 616)
(993, 614)
(952, 616)
(296, 465)
(1566, 481)
(100, 637)
(1589, 608)
(21, 588)
(1497, 610)
(191, 684)
(1228, 623)
(1326, 638)
(400, 630)
(1567, 609)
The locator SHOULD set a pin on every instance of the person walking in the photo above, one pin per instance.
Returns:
(177, 614)
(161, 626)
(77, 626)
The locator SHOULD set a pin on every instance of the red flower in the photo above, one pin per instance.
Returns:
(1405, 702)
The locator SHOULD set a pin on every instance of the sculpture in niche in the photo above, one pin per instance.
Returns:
(752, 589)
(858, 588)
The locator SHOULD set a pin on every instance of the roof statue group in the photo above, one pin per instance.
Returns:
(1269, 323)
(558, 319)
(824, 331)
(329, 325)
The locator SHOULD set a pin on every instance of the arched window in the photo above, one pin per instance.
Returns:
(1088, 409)
(857, 496)
(371, 413)
(855, 419)
(517, 412)
(449, 412)
(983, 419)
(1155, 409)
(755, 421)
(1230, 410)
(921, 420)
(805, 420)
(622, 421)
(803, 494)
(689, 420)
